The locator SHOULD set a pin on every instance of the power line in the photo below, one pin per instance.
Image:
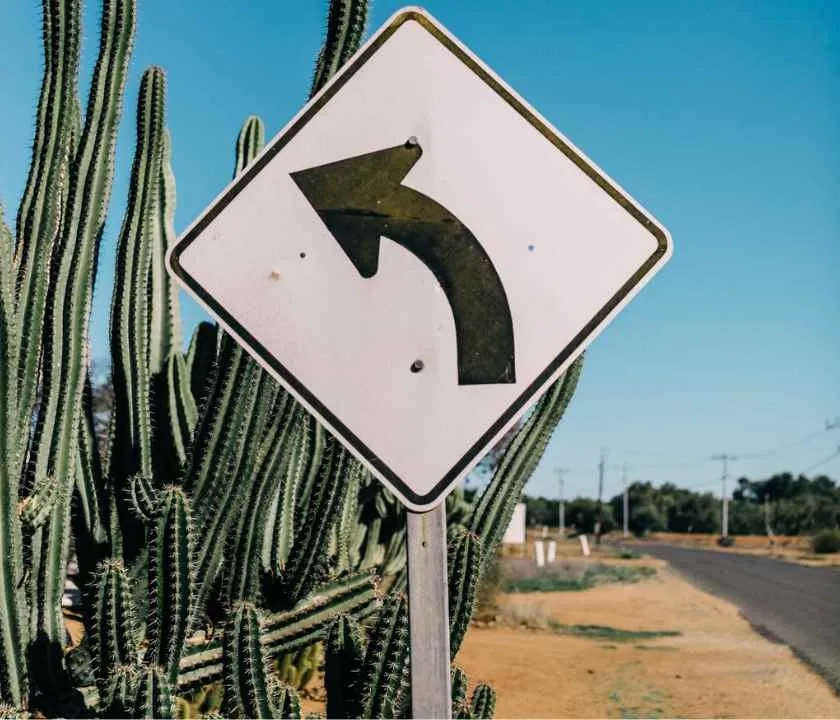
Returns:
(822, 462)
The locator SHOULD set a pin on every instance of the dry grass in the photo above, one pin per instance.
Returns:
(717, 667)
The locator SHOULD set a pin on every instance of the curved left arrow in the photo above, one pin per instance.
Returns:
(361, 199)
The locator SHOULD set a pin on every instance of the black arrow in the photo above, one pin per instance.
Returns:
(360, 199)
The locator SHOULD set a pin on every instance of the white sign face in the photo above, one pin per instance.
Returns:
(515, 533)
(417, 255)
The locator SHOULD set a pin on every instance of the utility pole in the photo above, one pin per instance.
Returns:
(562, 505)
(599, 512)
(626, 508)
(724, 497)
(767, 516)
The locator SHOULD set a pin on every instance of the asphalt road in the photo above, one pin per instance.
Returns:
(793, 604)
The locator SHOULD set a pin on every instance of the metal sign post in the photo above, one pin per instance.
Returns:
(428, 614)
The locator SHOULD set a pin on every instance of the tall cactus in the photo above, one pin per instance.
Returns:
(65, 345)
(220, 501)
(13, 628)
(171, 543)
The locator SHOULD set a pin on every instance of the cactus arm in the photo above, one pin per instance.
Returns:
(346, 20)
(483, 702)
(385, 671)
(464, 569)
(243, 562)
(287, 702)
(283, 632)
(40, 213)
(171, 582)
(165, 320)
(304, 457)
(179, 414)
(244, 664)
(493, 511)
(201, 361)
(309, 551)
(154, 697)
(114, 624)
(345, 653)
(249, 142)
(459, 687)
(132, 433)
(65, 347)
(13, 626)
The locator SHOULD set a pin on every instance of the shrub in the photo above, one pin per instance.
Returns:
(727, 541)
(826, 541)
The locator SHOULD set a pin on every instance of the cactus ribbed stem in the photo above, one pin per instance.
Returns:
(459, 687)
(287, 702)
(344, 655)
(171, 547)
(40, 213)
(483, 702)
(115, 628)
(493, 512)
(346, 20)
(154, 697)
(386, 673)
(13, 627)
(304, 455)
(65, 349)
(243, 562)
(130, 326)
(310, 549)
(464, 569)
(247, 692)
(305, 624)
(201, 363)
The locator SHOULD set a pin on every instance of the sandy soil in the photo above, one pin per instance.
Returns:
(719, 667)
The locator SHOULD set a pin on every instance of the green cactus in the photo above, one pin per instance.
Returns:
(385, 672)
(483, 702)
(345, 652)
(464, 568)
(171, 543)
(118, 697)
(287, 702)
(153, 697)
(459, 686)
(115, 631)
(247, 692)
(219, 501)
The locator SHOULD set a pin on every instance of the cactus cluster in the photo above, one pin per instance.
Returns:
(226, 543)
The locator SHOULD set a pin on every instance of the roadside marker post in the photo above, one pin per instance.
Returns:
(416, 257)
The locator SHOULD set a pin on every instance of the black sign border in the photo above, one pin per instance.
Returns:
(431, 498)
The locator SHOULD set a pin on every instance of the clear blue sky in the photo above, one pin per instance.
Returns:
(721, 117)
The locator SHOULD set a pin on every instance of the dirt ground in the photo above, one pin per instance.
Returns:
(717, 668)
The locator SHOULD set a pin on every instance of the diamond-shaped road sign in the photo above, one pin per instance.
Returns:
(417, 255)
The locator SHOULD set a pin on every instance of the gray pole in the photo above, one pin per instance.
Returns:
(599, 514)
(428, 614)
(626, 508)
(767, 516)
(562, 505)
(724, 497)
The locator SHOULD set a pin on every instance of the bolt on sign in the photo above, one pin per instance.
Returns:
(417, 255)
